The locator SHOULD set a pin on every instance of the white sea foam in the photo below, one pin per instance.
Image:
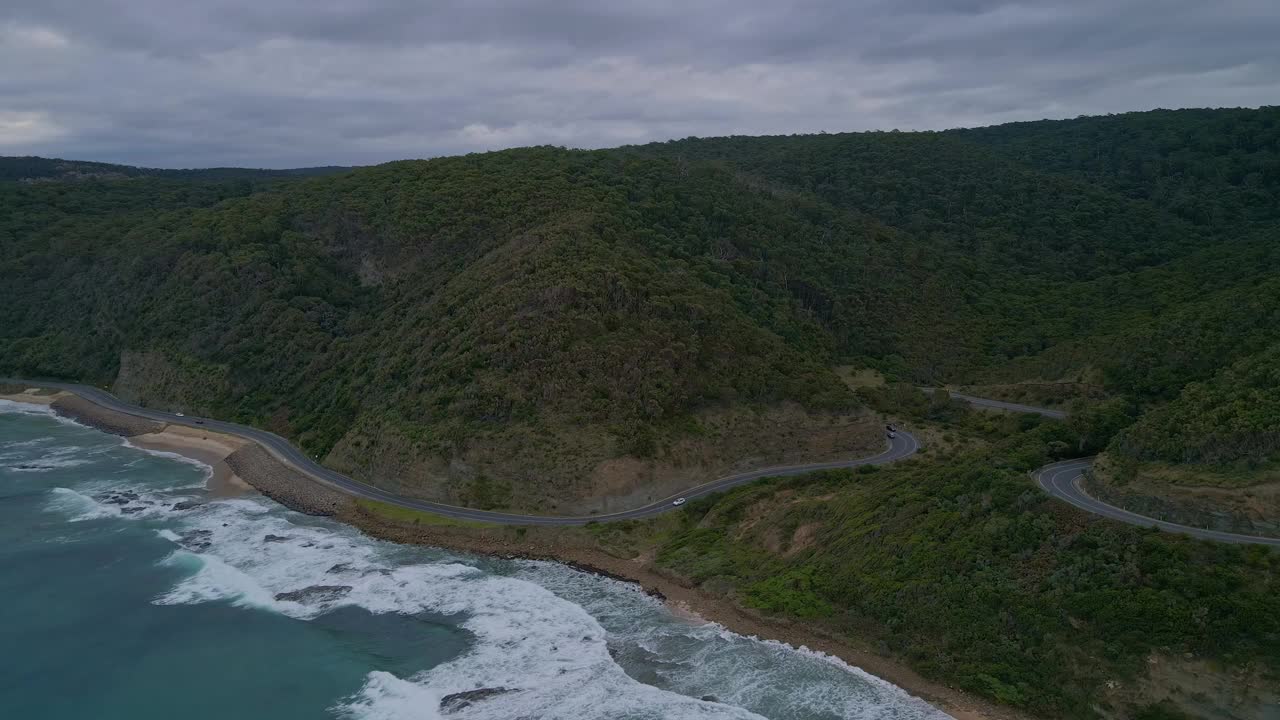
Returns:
(535, 633)
(12, 407)
(214, 580)
(55, 460)
(103, 499)
(205, 468)
(698, 657)
(78, 505)
(26, 443)
(22, 408)
(550, 653)
(387, 697)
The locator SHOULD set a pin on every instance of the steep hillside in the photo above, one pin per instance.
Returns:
(1231, 418)
(1210, 457)
(546, 328)
(1199, 331)
(461, 325)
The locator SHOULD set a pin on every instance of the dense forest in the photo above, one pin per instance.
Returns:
(528, 296)
(494, 328)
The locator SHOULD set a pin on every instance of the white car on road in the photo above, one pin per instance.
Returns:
(678, 502)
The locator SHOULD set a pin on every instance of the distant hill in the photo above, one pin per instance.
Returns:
(39, 169)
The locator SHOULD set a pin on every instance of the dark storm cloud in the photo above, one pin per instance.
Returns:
(292, 82)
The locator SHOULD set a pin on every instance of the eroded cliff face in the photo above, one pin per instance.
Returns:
(560, 468)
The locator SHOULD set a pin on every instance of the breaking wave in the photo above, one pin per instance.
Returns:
(547, 641)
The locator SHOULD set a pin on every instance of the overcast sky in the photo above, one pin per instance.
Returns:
(281, 83)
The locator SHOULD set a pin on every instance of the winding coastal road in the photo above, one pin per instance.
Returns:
(902, 446)
(1062, 479)
(1001, 404)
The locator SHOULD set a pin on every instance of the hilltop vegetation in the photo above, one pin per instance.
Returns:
(1214, 168)
(578, 307)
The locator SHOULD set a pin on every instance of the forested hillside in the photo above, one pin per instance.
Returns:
(1234, 416)
(1214, 168)
(423, 323)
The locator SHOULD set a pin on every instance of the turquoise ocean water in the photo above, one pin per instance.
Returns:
(127, 592)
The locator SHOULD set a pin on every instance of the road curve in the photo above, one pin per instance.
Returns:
(1002, 405)
(902, 446)
(1063, 480)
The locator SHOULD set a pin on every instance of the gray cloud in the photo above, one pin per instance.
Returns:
(301, 82)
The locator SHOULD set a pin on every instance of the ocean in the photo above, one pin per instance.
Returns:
(128, 592)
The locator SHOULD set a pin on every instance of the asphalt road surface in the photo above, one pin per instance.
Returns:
(1062, 480)
(1002, 405)
(901, 446)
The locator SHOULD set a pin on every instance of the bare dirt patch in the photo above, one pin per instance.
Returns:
(802, 539)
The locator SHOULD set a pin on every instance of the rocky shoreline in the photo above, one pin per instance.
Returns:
(292, 488)
(576, 550)
(284, 484)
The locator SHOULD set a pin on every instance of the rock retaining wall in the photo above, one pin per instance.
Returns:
(96, 416)
(283, 484)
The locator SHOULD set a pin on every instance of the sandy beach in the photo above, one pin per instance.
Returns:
(210, 448)
(33, 396)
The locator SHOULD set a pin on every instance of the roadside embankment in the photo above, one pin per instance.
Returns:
(96, 416)
(1180, 495)
(284, 484)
